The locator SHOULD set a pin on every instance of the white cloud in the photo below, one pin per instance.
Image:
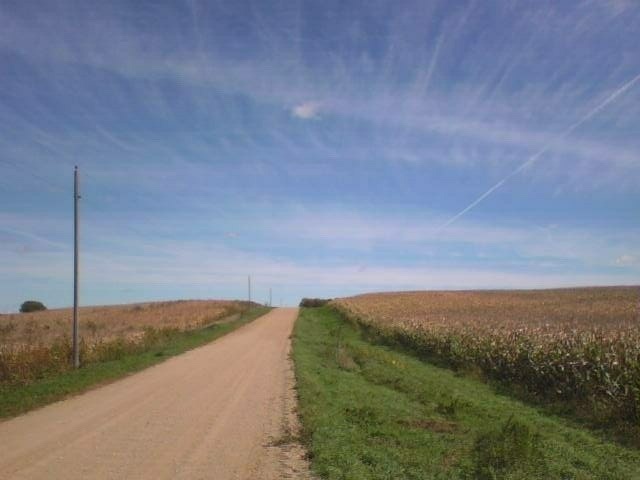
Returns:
(306, 110)
(467, 113)
(615, 6)
(628, 260)
(155, 266)
(337, 228)
(219, 269)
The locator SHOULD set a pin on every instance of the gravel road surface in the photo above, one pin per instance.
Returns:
(221, 411)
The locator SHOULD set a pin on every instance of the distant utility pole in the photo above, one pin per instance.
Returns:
(76, 197)
(249, 284)
(269, 296)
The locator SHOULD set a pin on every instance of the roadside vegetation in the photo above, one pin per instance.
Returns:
(32, 306)
(37, 344)
(576, 351)
(35, 375)
(314, 302)
(370, 411)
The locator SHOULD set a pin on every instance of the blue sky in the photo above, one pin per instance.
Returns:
(325, 148)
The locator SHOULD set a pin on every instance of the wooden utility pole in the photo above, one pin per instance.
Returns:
(76, 197)
(269, 296)
(249, 285)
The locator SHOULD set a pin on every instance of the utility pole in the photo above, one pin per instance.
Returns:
(269, 296)
(249, 284)
(76, 197)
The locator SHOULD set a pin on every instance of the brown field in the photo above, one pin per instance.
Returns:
(543, 312)
(579, 346)
(33, 344)
(109, 322)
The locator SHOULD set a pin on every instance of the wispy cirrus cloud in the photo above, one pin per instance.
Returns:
(483, 109)
(208, 123)
(628, 260)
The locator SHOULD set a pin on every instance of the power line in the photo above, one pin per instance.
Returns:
(34, 175)
(58, 189)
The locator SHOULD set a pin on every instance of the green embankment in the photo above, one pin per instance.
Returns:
(16, 399)
(369, 411)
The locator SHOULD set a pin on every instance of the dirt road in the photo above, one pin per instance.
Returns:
(221, 411)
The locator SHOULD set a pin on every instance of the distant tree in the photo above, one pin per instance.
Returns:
(314, 302)
(32, 306)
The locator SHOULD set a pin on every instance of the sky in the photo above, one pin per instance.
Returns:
(324, 148)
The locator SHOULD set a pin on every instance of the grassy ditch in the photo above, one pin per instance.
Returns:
(574, 351)
(369, 411)
(117, 359)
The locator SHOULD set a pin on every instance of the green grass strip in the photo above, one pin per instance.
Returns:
(371, 412)
(18, 399)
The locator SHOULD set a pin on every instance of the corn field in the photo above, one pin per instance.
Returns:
(579, 347)
(34, 345)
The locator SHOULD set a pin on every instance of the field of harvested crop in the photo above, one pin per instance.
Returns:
(36, 344)
(575, 347)
(105, 323)
(372, 411)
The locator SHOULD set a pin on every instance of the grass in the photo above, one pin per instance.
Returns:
(369, 411)
(36, 345)
(575, 350)
(17, 399)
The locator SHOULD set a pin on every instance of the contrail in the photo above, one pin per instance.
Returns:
(544, 150)
(31, 236)
(432, 63)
